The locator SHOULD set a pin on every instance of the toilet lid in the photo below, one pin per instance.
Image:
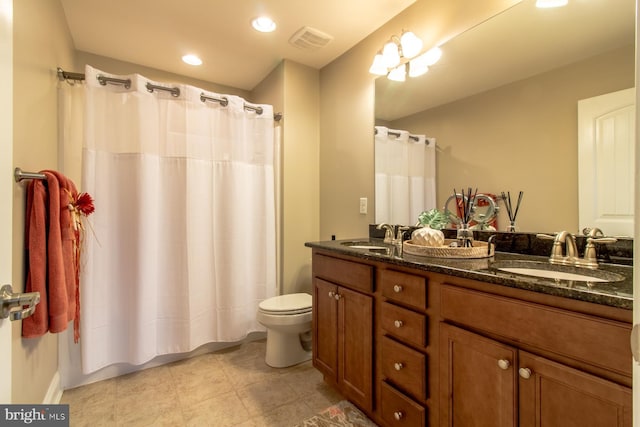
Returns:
(291, 303)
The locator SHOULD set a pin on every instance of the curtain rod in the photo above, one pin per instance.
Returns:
(65, 75)
(397, 135)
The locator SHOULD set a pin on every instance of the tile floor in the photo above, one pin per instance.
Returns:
(232, 387)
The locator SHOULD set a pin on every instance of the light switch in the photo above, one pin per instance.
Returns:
(363, 205)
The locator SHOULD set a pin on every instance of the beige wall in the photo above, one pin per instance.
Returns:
(41, 42)
(347, 109)
(522, 136)
(294, 90)
(301, 182)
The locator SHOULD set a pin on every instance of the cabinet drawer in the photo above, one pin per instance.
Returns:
(600, 342)
(404, 288)
(404, 324)
(404, 367)
(399, 410)
(350, 274)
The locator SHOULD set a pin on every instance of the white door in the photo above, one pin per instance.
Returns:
(606, 147)
(6, 182)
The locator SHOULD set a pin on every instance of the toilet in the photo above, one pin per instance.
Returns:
(288, 322)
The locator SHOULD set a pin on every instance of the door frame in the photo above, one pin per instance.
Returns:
(6, 186)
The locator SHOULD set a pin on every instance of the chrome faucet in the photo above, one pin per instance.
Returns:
(389, 238)
(590, 259)
(388, 232)
(564, 250)
(570, 255)
(399, 240)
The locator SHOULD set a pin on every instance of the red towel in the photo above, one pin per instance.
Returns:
(51, 240)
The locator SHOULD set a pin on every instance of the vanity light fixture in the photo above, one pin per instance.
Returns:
(264, 24)
(545, 4)
(192, 60)
(401, 55)
(398, 74)
(379, 66)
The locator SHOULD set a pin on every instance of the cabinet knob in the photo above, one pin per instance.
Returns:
(397, 288)
(525, 373)
(398, 415)
(331, 294)
(504, 364)
(398, 323)
(398, 366)
(337, 296)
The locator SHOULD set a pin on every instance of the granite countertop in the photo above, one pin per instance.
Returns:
(616, 294)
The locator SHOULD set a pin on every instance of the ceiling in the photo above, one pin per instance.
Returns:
(518, 43)
(157, 33)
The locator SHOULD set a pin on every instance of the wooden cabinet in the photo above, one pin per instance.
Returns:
(403, 354)
(343, 333)
(487, 382)
(416, 348)
(552, 394)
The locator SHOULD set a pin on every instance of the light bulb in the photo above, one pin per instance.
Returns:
(432, 56)
(192, 60)
(398, 74)
(418, 66)
(378, 66)
(264, 24)
(411, 44)
(390, 54)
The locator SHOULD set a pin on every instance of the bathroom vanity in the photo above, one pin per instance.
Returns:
(416, 341)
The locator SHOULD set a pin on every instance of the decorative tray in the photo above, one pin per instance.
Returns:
(478, 250)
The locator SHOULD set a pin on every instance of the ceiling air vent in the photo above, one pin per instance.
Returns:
(310, 38)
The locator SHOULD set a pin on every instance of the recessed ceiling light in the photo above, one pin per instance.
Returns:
(264, 24)
(192, 60)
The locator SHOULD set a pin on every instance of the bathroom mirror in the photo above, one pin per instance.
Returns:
(502, 102)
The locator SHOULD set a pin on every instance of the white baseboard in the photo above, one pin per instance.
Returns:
(54, 393)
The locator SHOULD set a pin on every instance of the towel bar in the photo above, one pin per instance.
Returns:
(19, 175)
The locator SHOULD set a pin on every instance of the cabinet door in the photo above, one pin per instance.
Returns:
(325, 328)
(355, 346)
(477, 380)
(552, 395)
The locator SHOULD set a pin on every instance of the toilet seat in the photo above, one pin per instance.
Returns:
(287, 304)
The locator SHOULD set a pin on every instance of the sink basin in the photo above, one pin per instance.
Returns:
(556, 272)
(367, 246)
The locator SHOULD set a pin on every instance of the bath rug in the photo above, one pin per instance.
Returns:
(342, 414)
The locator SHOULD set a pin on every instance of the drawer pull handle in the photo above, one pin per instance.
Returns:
(504, 364)
(398, 415)
(525, 373)
(398, 323)
(398, 366)
(397, 288)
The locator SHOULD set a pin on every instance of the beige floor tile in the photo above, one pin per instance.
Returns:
(248, 371)
(91, 403)
(323, 397)
(219, 411)
(199, 379)
(285, 415)
(232, 387)
(304, 380)
(265, 396)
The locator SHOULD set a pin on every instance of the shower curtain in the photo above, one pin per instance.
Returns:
(183, 241)
(405, 176)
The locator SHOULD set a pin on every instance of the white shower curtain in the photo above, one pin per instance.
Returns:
(183, 243)
(405, 176)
